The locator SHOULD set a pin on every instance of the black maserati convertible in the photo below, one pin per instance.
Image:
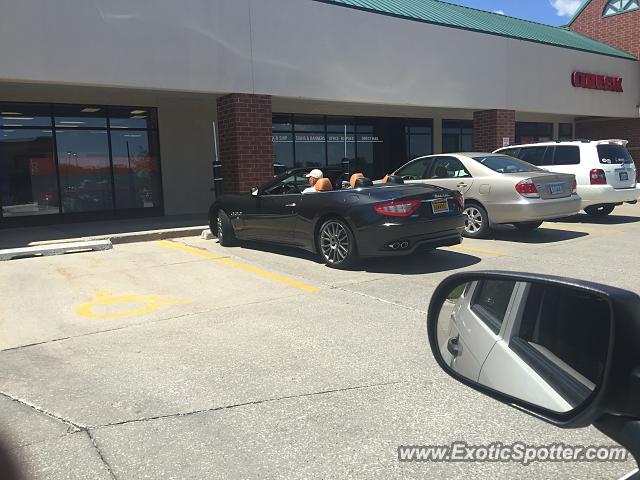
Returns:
(341, 221)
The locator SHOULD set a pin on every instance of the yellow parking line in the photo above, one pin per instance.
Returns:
(477, 250)
(241, 266)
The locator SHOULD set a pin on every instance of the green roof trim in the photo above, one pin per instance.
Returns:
(446, 14)
(579, 11)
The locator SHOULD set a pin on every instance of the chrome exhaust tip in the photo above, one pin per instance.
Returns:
(404, 245)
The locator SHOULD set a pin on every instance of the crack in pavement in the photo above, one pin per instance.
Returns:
(72, 427)
(244, 404)
(99, 452)
(379, 299)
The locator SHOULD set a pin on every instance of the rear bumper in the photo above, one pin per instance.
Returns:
(375, 241)
(533, 209)
(604, 194)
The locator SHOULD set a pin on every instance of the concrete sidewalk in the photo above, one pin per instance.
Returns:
(118, 231)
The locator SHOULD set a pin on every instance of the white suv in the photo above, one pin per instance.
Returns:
(604, 169)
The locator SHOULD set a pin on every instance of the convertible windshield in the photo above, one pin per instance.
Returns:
(505, 164)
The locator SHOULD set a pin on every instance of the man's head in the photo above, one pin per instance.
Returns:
(313, 176)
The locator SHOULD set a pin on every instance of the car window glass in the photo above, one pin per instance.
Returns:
(614, 154)
(504, 164)
(490, 301)
(561, 331)
(415, 170)
(533, 155)
(512, 152)
(448, 167)
(289, 185)
(567, 156)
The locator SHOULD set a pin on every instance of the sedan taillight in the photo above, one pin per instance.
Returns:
(598, 177)
(404, 208)
(526, 188)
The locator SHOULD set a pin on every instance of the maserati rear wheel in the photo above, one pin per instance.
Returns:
(336, 244)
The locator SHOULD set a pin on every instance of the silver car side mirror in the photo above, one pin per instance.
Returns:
(545, 345)
(560, 349)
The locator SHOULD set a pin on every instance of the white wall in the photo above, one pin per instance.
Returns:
(297, 48)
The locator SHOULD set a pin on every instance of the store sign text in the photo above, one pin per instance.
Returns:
(597, 82)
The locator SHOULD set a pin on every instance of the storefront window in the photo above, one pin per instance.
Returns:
(310, 141)
(28, 184)
(135, 169)
(88, 158)
(341, 139)
(565, 131)
(457, 136)
(531, 132)
(419, 140)
(282, 137)
(373, 146)
(85, 177)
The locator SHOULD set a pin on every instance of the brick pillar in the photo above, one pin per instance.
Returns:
(490, 127)
(244, 137)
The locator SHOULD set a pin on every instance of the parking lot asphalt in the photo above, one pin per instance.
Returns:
(183, 359)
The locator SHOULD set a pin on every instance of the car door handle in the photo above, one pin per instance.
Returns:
(462, 184)
(290, 205)
(453, 346)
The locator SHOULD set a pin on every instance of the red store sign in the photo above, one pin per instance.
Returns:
(596, 82)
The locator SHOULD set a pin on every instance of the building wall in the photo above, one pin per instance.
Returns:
(621, 31)
(297, 48)
(185, 129)
(603, 129)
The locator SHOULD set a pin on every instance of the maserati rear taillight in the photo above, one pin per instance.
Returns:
(526, 188)
(459, 199)
(404, 208)
(598, 177)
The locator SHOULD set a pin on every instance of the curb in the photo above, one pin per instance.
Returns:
(55, 249)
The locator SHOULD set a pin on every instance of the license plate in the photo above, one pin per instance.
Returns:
(556, 188)
(440, 206)
(624, 176)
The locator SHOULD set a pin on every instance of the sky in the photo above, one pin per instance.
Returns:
(552, 12)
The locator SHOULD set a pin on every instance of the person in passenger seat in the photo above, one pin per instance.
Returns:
(313, 176)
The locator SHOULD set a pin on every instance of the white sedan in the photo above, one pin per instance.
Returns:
(498, 189)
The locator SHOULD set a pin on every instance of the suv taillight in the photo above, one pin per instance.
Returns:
(575, 186)
(597, 177)
(403, 208)
(526, 188)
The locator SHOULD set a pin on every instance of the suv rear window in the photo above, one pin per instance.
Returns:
(504, 164)
(614, 154)
(567, 155)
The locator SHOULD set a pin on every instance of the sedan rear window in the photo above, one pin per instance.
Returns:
(614, 154)
(504, 164)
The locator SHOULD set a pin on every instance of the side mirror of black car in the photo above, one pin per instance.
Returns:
(255, 191)
(563, 350)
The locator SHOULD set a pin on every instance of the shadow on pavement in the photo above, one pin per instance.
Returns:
(416, 264)
(538, 236)
(419, 263)
(611, 219)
